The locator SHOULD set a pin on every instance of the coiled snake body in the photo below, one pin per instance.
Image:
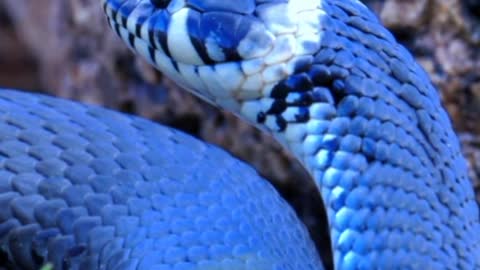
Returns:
(102, 191)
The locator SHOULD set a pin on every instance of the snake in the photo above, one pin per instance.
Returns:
(84, 187)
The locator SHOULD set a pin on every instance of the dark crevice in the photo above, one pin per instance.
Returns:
(219, 120)
(37, 258)
(128, 107)
(473, 7)
(189, 123)
(5, 21)
(124, 66)
(320, 232)
(338, 95)
(5, 263)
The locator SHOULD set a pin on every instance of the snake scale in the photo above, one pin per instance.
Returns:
(83, 187)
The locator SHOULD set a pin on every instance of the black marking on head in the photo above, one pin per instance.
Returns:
(123, 21)
(131, 39)
(295, 83)
(303, 115)
(193, 24)
(280, 91)
(151, 53)
(117, 29)
(161, 38)
(261, 117)
(175, 65)
(114, 15)
(281, 123)
(163, 42)
(329, 83)
(278, 107)
(151, 39)
(223, 30)
(300, 82)
(158, 36)
(314, 84)
(160, 3)
(105, 5)
(305, 99)
(202, 52)
(232, 55)
(138, 29)
(320, 75)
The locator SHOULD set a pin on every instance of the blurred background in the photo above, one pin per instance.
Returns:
(65, 48)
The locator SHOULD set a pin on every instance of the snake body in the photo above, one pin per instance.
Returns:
(330, 84)
(83, 187)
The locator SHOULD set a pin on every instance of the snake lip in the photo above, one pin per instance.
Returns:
(189, 34)
(217, 55)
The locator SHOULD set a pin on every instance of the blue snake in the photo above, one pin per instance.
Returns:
(87, 188)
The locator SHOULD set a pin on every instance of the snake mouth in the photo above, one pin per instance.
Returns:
(192, 32)
(223, 52)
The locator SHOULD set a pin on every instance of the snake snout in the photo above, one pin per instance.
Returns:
(190, 32)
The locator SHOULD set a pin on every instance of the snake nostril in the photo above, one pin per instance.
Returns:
(160, 3)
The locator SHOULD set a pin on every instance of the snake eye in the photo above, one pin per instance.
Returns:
(160, 3)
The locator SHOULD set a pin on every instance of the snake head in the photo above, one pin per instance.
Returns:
(225, 52)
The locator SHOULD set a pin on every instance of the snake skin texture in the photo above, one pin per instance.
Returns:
(84, 188)
(331, 84)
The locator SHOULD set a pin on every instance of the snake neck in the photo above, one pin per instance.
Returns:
(365, 121)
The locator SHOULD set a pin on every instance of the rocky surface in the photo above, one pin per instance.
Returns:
(65, 48)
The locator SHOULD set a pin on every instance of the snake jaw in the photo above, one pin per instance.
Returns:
(232, 56)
